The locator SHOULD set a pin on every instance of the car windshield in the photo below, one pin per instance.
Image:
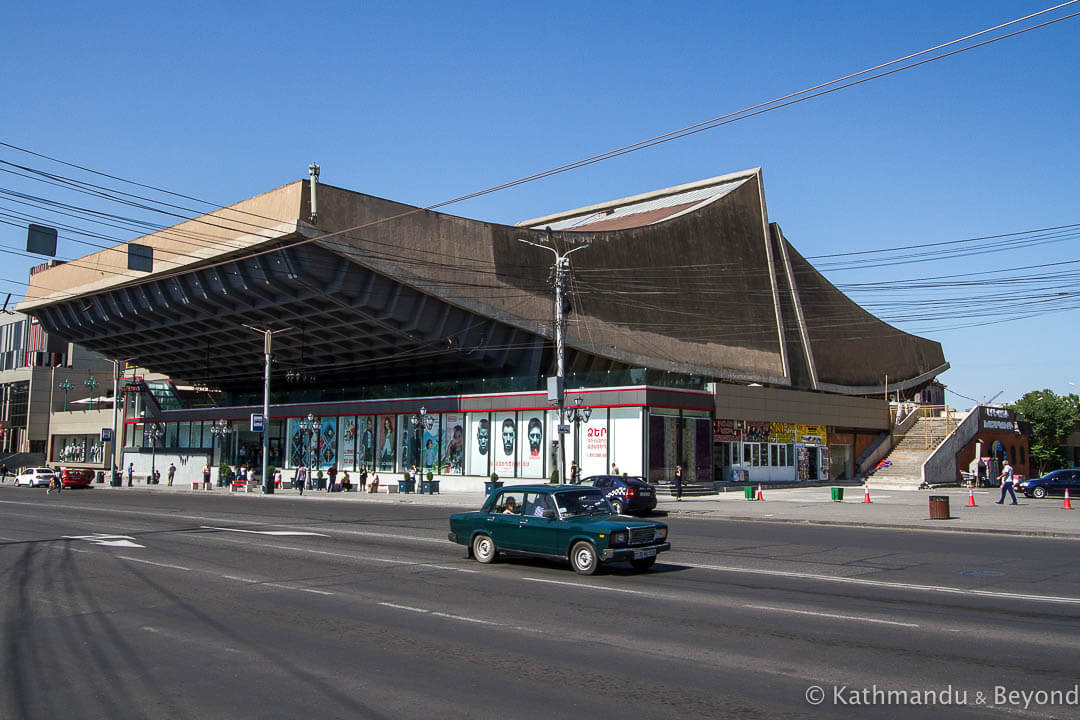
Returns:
(582, 502)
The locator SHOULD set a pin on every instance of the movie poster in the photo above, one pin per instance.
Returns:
(326, 443)
(366, 431)
(429, 450)
(347, 443)
(505, 443)
(479, 444)
(387, 443)
(531, 446)
(453, 444)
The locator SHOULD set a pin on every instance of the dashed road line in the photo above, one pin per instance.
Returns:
(833, 616)
(151, 562)
(586, 586)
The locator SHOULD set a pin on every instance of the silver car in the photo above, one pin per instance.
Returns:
(35, 477)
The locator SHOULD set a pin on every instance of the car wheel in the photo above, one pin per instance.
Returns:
(617, 507)
(583, 558)
(1039, 492)
(483, 549)
(643, 564)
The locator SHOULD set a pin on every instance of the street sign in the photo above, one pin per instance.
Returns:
(106, 435)
(258, 422)
(564, 429)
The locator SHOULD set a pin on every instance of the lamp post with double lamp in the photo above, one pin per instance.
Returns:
(218, 429)
(91, 382)
(156, 432)
(420, 422)
(66, 386)
(576, 413)
(312, 426)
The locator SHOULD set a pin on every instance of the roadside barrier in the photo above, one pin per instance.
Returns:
(971, 496)
(866, 493)
(1068, 503)
(760, 495)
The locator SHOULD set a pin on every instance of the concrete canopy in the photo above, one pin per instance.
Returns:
(693, 279)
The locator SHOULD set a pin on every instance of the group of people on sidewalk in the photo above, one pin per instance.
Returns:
(366, 482)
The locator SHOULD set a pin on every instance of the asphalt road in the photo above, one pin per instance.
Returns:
(173, 606)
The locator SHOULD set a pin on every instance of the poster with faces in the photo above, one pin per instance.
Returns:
(478, 441)
(504, 442)
(531, 447)
(453, 444)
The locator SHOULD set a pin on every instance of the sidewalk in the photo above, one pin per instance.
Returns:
(896, 509)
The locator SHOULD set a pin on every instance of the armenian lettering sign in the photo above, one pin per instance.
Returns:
(782, 432)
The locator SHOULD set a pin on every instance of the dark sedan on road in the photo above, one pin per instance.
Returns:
(566, 522)
(1052, 483)
(627, 495)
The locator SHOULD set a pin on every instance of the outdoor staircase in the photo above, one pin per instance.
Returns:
(904, 471)
(688, 489)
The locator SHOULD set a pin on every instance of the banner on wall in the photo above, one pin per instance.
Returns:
(812, 434)
(754, 431)
(327, 443)
(724, 431)
(409, 444)
(298, 446)
(531, 453)
(429, 453)
(387, 443)
(505, 445)
(596, 447)
(347, 443)
(479, 443)
(453, 444)
(782, 432)
(366, 441)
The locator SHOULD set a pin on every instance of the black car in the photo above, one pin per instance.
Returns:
(1052, 483)
(627, 495)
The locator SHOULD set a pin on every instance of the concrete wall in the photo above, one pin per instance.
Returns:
(741, 402)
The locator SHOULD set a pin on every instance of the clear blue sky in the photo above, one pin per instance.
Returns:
(421, 102)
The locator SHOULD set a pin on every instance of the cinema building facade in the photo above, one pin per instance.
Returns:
(696, 334)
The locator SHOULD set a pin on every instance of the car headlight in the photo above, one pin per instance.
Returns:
(618, 538)
(661, 533)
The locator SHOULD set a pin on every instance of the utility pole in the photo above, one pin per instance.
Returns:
(268, 484)
(562, 266)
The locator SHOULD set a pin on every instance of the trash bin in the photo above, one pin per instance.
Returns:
(837, 494)
(939, 507)
(425, 487)
(434, 490)
(403, 486)
(115, 481)
(748, 492)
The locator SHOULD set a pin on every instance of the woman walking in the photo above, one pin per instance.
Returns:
(678, 483)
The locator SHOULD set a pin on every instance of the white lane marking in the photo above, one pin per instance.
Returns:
(586, 586)
(478, 621)
(284, 533)
(368, 558)
(404, 607)
(150, 562)
(107, 540)
(293, 587)
(240, 579)
(830, 615)
(892, 585)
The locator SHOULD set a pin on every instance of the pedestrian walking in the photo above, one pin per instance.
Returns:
(678, 483)
(332, 474)
(3, 472)
(1006, 478)
(301, 478)
(575, 473)
(172, 473)
(131, 474)
(250, 477)
(55, 482)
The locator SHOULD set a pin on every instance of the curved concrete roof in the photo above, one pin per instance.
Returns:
(692, 279)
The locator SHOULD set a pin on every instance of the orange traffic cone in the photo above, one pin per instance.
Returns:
(1068, 503)
(971, 497)
(866, 493)
(760, 495)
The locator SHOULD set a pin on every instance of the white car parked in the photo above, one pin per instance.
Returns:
(35, 477)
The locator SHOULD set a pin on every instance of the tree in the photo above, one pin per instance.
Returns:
(1052, 418)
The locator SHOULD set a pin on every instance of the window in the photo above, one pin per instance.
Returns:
(536, 504)
(510, 503)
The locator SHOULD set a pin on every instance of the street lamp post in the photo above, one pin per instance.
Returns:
(156, 432)
(66, 386)
(576, 413)
(91, 382)
(218, 429)
(312, 426)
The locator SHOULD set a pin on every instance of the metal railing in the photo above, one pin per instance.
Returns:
(934, 423)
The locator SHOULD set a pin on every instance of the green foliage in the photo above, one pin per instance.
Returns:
(430, 476)
(494, 477)
(1052, 418)
(554, 480)
(224, 470)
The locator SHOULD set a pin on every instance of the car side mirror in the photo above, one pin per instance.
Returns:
(549, 514)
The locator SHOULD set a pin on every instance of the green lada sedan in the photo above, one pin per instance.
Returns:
(558, 521)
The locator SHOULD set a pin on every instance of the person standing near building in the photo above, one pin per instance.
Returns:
(614, 469)
(3, 472)
(332, 474)
(206, 476)
(678, 483)
(131, 474)
(301, 478)
(575, 473)
(172, 473)
(1006, 478)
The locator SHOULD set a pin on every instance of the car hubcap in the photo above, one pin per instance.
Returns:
(584, 558)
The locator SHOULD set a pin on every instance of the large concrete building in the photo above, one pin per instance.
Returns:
(697, 334)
